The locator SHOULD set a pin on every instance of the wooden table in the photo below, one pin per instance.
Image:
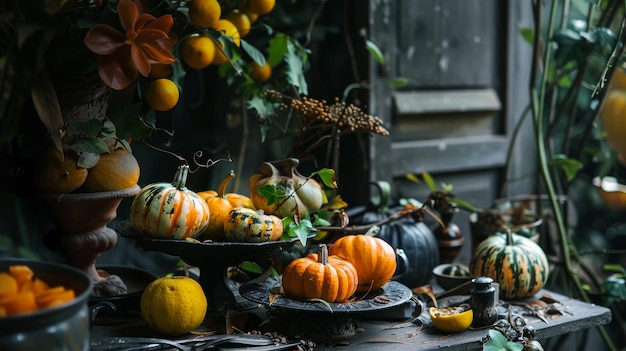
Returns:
(400, 335)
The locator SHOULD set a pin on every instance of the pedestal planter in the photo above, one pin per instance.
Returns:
(82, 234)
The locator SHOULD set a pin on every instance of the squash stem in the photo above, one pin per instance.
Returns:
(180, 179)
(322, 254)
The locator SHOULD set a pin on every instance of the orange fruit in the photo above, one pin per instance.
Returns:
(240, 20)
(22, 302)
(8, 285)
(451, 319)
(58, 173)
(228, 29)
(198, 51)
(162, 94)
(613, 119)
(252, 16)
(619, 79)
(260, 7)
(260, 74)
(116, 170)
(204, 13)
(173, 305)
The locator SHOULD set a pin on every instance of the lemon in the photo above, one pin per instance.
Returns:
(174, 305)
(451, 319)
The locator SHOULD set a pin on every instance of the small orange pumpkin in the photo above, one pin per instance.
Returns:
(319, 276)
(57, 172)
(373, 258)
(116, 170)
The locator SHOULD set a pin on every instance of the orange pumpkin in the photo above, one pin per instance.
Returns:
(319, 276)
(116, 170)
(57, 172)
(373, 258)
(220, 207)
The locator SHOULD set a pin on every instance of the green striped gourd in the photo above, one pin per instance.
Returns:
(247, 225)
(169, 211)
(517, 263)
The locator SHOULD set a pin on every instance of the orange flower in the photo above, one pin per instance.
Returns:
(147, 41)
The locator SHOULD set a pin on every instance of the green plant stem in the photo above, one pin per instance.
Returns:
(538, 105)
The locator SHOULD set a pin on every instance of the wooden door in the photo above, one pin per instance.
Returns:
(468, 87)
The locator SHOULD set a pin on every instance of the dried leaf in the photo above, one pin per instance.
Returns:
(47, 105)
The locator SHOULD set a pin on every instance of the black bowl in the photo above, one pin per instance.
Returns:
(64, 327)
(136, 281)
(448, 281)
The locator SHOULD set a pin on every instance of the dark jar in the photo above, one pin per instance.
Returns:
(483, 302)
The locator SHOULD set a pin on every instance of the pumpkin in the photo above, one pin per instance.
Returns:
(320, 276)
(235, 199)
(515, 262)
(373, 258)
(116, 170)
(247, 225)
(409, 234)
(295, 193)
(169, 211)
(220, 206)
(56, 172)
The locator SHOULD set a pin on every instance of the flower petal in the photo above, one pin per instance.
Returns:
(163, 23)
(103, 39)
(142, 20)
(127, 10)
(157, 54)
(117, 70)
(140, 60)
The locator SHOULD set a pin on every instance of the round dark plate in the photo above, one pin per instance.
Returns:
(195, 251)
(395, 293)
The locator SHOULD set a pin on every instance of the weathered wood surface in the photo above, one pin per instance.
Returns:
(399, 335)
(379, 335)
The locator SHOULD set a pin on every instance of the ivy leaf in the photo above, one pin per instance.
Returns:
(271, 193)
(92, 144)
(327, 175)
(375, 51)
(569, 165)
(498, 342)
(127, 121)
(277, 49)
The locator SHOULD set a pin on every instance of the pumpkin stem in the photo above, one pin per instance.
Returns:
(180, 179)
(509, 237)
(322, 254)
(221, 190)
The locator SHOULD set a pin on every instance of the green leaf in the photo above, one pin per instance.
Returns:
(272, 193)
(294, 70)
(569, 165)
(253, 52)
(430, 182)
(277, 49)
(375, 51)
(398, 82)
(412, 177)
(93, 145)
(251, 267)
(528, 34)
(498, 342)
(327, 175)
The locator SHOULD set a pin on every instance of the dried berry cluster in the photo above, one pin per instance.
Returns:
(347, 118)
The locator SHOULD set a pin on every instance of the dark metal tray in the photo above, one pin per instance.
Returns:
(395, 293)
